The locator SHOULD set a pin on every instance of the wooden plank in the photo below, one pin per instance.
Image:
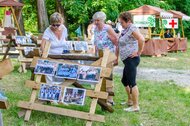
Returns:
(94, 102)
(109, 83)
(46, 49)
(26, 60)
(75, 56)
(61, 111)
(90, 93)
(3, 104)
(97, 63)
(32, 98)
(112, 57)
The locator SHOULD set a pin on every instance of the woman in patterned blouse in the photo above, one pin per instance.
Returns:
(105, 38)
(131, 44)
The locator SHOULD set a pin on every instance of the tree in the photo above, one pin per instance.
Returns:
(43, 22)
(61, 10)
(18, 13)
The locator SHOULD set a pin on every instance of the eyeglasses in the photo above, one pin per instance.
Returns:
(56, 25)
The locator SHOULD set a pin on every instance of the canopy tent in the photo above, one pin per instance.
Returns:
(181, 16)
(11, 4)
(151, 10)
(4, 3)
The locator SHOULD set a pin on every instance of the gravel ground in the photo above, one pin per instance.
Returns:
(180, 77)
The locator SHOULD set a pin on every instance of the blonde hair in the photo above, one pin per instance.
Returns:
(56, 18)
(99, 15)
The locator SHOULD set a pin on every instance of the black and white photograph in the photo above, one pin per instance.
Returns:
(68, 45)
(50, 92)
(80, 46)
(28, 49)
(20, 40)
(74, 96)
(45, 67)
(89, 74)
(68, 71)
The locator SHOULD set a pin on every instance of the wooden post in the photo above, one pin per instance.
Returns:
(162, 30)
(38, 80)
(14, 16)
(182, 28)
(149, 32)
(1, 119)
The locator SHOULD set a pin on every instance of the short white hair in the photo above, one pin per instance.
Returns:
(99, 15)
(56, 18)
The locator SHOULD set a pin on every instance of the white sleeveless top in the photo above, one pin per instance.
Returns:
(56, 44)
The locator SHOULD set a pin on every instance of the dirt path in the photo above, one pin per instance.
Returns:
(180, 77)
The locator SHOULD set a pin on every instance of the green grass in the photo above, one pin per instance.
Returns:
(162, 104)
(180, 60)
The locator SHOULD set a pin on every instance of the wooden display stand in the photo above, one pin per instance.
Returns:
(98, 95)
(26, 60)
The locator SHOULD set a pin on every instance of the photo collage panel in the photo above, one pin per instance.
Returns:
(81, 73)
(54, 93)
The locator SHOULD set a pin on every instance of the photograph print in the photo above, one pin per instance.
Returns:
(89, 74)
(68, 45)
(81, 46)
(50, 92)
(45, 67)
(68, 71)
(74, 96)
(28, 49)
(20, 40)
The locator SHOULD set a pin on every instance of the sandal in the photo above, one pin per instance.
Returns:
(127, 103)
(132, 109)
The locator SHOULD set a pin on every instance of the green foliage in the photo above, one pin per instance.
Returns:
(81, 11)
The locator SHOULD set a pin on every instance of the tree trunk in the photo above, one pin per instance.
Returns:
(61, 10)
(43, 22)
(18, 13)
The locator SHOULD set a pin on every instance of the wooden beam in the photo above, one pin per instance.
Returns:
(16, 21)
(183, 33)
(61, 111)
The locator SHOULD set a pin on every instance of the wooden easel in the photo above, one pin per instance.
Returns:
(96, 95)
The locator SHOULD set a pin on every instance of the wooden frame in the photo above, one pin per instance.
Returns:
(24, 60)
(98, 95)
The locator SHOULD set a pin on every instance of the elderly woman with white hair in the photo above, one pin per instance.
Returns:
(57, 34)
(105, 38)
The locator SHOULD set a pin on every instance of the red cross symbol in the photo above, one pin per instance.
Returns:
(173, 23)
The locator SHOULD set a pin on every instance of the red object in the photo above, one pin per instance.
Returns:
(173, 23)
(8, 12)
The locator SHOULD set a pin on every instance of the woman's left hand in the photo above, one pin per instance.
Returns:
(134, 54)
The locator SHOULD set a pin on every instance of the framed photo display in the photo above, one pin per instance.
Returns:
(68, 71)
(89, 74)
(80, 46)
(50, 92)
(45, 67)
(74, 96)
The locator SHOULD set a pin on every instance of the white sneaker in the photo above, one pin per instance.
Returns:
(132, 109)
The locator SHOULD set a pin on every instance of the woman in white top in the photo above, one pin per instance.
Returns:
(57, 34)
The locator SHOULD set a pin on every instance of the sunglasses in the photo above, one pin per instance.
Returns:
(56, 25)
